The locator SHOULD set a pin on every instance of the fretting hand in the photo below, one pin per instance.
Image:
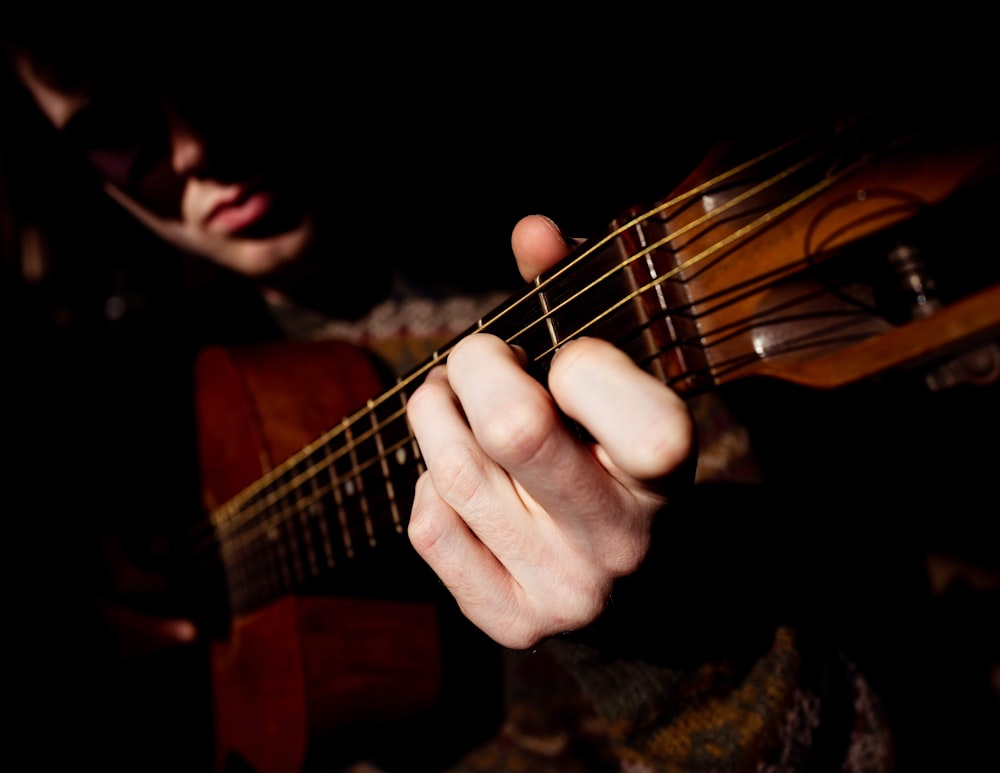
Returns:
(527, 525)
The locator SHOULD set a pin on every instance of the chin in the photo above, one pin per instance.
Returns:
(262, 258)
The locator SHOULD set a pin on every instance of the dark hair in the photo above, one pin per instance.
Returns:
(69, 52)
(171, 53)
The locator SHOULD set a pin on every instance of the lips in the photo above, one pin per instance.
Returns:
(241, 212)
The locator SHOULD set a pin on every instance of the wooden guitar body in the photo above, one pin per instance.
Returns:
(303, 666)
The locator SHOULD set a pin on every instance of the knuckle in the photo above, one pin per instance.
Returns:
(423, 529)
(423, 397)
(518, 632)
(471, 346)
(516, 431)
(458, 473)
(625, 560)
(587, 603)
(577, 609)
(624, 548)
(423, 536)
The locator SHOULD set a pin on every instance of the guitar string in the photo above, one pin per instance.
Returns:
(277, 520)
(588, 250)
(358, 469)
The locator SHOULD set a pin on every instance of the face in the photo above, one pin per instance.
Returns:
(203, 173)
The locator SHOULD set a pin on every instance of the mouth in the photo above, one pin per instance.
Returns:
(241, 212)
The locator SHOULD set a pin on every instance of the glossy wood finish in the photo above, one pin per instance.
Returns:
(761, 283)
(303, 666)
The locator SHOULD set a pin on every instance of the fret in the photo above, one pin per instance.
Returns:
(300, 521)
(238, 582)
(369, 452)
(414, 460)
(285, 524)
(340, 501)
(549, 321)
(640, 274)
(669, 342)
(354, 497)
(273, 534)
(383, 462)
(252, 566)
(575, 307)
(355, 485)
(262, 533)
(403, 462)
(650, 268)
(320, 521)
(315, 512)
(245, 564)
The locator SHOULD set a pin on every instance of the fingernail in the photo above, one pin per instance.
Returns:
(565, 239)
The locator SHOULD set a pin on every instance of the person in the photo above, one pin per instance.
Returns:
(160, 161)
(267, 247)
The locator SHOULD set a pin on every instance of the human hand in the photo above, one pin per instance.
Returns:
(525, 523)
(135, 632)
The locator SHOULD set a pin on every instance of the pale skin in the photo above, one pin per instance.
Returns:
(525, 524)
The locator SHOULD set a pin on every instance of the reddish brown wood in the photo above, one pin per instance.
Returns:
(301, 667)
(304, 667)
(259, 405)
(967, 320)
(872, 198)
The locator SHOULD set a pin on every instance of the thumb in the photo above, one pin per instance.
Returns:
(538, 244)
(137, 634)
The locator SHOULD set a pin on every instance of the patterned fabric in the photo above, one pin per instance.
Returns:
(716, 717)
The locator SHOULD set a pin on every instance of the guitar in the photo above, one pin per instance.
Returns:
(806, 262)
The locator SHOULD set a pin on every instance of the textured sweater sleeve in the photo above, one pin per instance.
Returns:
(712, 657)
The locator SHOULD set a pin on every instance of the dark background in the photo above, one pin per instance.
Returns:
(429, 136)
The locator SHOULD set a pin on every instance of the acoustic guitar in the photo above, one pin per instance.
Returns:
(834, 257)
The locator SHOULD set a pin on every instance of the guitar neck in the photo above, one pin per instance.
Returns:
(348, 493)
(772, 267)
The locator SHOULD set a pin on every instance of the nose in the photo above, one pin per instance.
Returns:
(188, 152)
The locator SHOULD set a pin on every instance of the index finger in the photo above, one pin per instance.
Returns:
(518, 425)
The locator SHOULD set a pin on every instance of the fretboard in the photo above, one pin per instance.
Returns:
(350, 491)
(755, 271)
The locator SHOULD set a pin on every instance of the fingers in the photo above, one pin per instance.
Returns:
(526, 524)
(538, 244)
(644, 428)
(514, 569)
(137, 634)
(470, 471)
(134, 632)
(516, 423)
(648, 432)
(485, 591)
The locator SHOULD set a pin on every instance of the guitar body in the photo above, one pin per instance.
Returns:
(305, 669)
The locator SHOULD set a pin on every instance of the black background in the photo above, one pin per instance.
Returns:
(429, 135)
